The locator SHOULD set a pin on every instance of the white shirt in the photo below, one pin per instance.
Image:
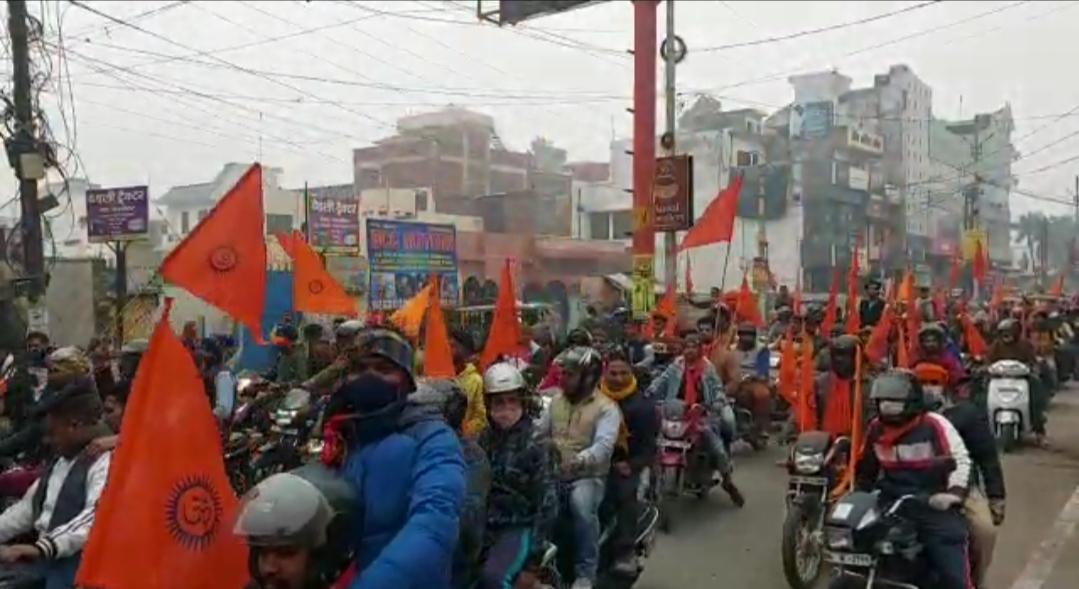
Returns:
(66, 539)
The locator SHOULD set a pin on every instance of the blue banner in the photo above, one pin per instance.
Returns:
(403, 255)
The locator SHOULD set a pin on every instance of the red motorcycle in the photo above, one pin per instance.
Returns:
(15, 481)
(683, 464)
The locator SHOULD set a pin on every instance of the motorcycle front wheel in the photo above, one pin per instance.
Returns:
(802, 554)
(1008, 437)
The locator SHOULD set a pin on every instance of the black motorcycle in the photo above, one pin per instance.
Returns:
(872, 545)
(557, 566)
(816, 458)
(286, 446)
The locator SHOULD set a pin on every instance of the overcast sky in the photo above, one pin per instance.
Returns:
(300, 84)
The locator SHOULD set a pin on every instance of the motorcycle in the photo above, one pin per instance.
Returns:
(814, 465)
(754, 393)
(1008, 402)
(683, 464)
(557, 565)
(293, 422)
(872, 546)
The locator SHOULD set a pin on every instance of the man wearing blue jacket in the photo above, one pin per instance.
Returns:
(407, 467)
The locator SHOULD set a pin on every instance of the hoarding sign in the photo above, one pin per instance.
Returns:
(333, 223)
(672, 194)
(117, 214)
(402, 256)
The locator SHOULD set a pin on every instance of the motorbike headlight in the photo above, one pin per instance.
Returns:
(314, 447)
(673, 429)
(808, 463)
(838, 538)
(284, 417)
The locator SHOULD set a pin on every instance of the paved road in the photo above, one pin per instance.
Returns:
(716, 543)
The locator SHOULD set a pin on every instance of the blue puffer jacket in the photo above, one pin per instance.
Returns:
(411, 480)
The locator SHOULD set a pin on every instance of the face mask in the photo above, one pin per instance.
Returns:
(891, 408)
(506, 416)
(371, 393)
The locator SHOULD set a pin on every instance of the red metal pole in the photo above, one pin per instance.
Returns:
(645, 62)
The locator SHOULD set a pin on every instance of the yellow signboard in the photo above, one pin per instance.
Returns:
(643, 294)
(971, 237)
(640, 218)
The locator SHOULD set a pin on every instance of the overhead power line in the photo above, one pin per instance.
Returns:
(818, 31)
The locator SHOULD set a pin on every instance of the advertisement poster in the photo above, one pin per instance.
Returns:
(117, 214)
(401, 258)
(333, 222)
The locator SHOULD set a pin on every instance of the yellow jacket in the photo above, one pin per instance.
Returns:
(476, 416)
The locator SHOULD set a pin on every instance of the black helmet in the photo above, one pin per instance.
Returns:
(1008, 325)
(388, 344)
(585, 361)
(445, 395)
(845, 343)
(309, 508)
(898, 385)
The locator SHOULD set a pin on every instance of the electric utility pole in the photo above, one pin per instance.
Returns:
(972, 197)
(670, 63)
(24, 152)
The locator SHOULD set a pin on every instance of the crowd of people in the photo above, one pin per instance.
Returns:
(464, 482)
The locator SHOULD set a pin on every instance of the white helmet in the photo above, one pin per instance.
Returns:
(503, 378)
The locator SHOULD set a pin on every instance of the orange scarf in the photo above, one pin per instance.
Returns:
(691, 378)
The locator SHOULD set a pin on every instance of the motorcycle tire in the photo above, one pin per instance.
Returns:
(1008, 437)
(795, 521)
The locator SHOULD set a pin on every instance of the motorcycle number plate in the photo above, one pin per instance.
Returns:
(848, 559)
(801, 480)
(674, 444)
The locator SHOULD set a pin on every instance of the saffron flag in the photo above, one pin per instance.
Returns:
(164, 520)
(409, 317)
(505, 334)
(716, 224)
(223, 260)
(437, 353)
(314, 290)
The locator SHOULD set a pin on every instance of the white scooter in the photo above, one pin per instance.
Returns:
(1008, 402)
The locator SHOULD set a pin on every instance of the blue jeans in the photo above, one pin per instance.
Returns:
(584, 498)
(59, 573)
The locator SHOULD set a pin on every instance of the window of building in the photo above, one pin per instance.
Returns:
(203, 213)
(421, 200)
(185, 222)
(599, 225)
(746, 158)
(621, 224)
(275, 223)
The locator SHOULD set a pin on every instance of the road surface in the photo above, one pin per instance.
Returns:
(716, 544)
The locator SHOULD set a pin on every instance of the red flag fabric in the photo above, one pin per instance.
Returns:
(746, 307)
(505, 333)
(164, 520)
(979, 267)
(314, 289)
(716, 225)
(223, 260)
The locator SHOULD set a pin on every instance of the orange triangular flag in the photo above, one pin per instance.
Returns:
(976, 344)
(165, 517)
(314, 290)
(788, 370)
(830, 311)
(746, 307)
(223, 260)
(287, 241)
(979, 266)
(716, 224)
(437, 353)
(505, 333)
(1057, 288)
(905, 292)
(953, 270)
(409, 317)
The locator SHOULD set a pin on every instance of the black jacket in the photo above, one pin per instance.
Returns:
(870, 312)
(973, 426)
(642, 421)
